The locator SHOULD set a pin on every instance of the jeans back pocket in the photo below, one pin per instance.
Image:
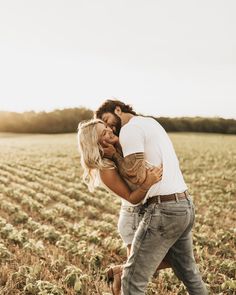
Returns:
(173, 222)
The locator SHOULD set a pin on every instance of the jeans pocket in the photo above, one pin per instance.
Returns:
(155, 222)
(175, 212)
(173, 222)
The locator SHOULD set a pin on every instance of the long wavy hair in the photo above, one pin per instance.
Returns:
(91, 153)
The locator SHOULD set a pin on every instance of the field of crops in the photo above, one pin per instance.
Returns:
(57, 238)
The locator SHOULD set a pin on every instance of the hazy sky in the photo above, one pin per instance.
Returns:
(164, 57)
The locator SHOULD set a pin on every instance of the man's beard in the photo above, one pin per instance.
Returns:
(117, 125)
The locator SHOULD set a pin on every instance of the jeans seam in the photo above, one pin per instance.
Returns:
(130, 276)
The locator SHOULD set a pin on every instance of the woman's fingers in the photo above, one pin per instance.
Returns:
(158, 173)
(155, 174)
(157, 170)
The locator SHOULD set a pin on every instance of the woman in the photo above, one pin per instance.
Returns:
(92, 135)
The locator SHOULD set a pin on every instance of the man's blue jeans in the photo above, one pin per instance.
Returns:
(165, 230)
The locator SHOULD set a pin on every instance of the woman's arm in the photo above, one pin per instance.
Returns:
(132, 167)
(113, 180)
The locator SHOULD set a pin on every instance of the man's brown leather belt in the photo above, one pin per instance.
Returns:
(167, 198)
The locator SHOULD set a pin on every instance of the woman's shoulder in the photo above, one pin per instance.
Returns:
(108, 164)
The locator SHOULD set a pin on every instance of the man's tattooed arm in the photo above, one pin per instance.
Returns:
(131, 167)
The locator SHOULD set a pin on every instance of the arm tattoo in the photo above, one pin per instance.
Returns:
(131, 167)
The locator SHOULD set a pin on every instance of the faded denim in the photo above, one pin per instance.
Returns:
(165, 229)
(128, 222)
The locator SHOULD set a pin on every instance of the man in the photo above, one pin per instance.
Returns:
(165, 230)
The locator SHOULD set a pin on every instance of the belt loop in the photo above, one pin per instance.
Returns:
(159, 199)
(187, 195)
(176, 198)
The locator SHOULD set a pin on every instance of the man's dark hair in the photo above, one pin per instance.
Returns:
(109, 107)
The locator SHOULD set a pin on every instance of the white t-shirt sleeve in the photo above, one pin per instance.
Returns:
(132, 139)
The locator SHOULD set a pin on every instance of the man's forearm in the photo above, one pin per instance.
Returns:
(131, 167)
(120, 163)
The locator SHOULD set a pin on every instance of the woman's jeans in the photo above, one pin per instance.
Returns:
(128, 222)
(165, 229)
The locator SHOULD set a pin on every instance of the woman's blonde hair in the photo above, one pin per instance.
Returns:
(91, 152)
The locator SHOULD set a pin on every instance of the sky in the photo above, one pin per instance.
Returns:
(165, 58)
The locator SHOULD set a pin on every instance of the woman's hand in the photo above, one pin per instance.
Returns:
(153, 175)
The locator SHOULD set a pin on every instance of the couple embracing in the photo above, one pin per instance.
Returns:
(133, 157)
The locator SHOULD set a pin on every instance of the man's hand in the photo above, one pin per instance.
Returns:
(108, 150)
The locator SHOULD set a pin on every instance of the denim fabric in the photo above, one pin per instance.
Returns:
(128, 223)
(165, 229)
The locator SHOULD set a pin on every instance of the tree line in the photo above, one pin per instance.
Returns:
(65, 121)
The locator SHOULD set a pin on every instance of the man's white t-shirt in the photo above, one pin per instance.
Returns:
(146, 135)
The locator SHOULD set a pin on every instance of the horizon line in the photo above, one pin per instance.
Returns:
(84, 107)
